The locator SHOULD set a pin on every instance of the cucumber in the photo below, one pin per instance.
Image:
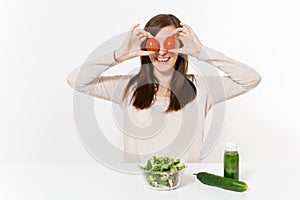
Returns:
(221, 182)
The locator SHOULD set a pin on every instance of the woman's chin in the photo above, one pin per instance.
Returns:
(163, 68)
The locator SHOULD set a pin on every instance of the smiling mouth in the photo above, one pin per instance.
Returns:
(162, 60)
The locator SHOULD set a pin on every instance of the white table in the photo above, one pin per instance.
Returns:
(55, 181)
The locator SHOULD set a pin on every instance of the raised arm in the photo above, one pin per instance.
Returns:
(240, 77)
(88, 79)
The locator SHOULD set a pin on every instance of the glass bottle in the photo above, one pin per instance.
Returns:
(231, 160)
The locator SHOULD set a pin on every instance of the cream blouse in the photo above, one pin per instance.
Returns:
(152, 131)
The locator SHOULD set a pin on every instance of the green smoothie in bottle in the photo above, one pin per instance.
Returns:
(231, 161)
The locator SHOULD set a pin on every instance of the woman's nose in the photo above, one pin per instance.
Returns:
(162, 51)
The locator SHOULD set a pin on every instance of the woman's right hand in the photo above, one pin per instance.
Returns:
(131, 47)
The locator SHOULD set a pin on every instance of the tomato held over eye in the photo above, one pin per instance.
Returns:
(169, 43)
(152, 44)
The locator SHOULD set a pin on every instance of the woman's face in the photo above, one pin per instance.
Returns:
(163, 60)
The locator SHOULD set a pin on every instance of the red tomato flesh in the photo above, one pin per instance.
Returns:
(169, 43)
(152, 44)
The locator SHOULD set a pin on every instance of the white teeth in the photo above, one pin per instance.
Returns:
(162, 59)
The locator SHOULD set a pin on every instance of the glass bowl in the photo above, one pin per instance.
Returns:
(163, 180)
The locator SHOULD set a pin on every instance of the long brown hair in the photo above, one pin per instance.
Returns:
(146, 84)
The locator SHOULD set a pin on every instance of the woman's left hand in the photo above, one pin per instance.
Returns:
(191, 43)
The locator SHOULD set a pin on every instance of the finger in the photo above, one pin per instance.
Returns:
(186, 31)
(140, 35)
(191, 31)
(186, 28)
(173, 51)
(183, 30)
(177, 30)
(134, 27)
(181, 34)
(140, 31)
(149, 35)
(144, 32)
(186, 39)
(137, 31)
(143, 39)
(145, 53)
(176, 51)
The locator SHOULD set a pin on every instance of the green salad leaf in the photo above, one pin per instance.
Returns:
(163, 171)
(162, 164)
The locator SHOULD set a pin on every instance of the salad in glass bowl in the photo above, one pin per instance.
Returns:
(163, 173)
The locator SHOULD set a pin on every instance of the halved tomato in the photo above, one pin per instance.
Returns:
(152, 44)
(169, 43)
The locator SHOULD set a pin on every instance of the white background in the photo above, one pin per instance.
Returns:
(43, 41)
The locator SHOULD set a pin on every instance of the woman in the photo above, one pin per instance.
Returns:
(164, 107)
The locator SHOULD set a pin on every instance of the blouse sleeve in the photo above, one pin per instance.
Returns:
(87, 79)
(240, 78)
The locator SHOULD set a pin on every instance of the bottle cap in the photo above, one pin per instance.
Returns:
(231, 145)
